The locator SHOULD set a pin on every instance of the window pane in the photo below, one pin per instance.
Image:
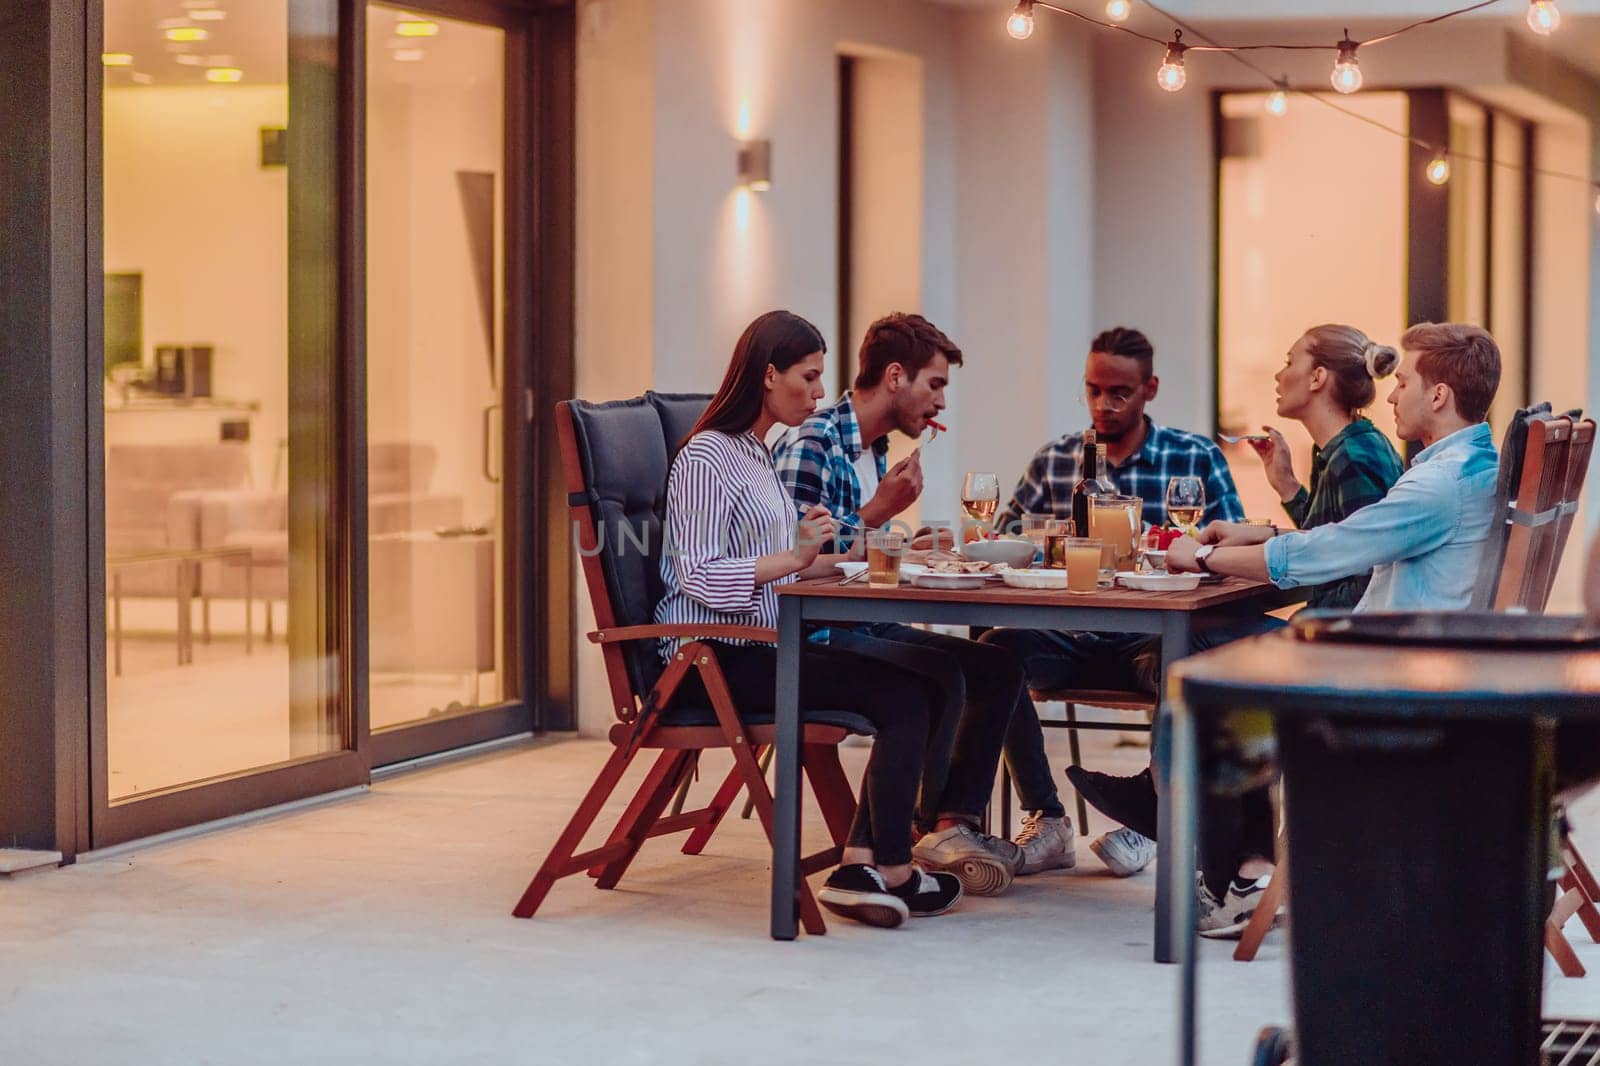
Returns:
(220, 414)
(435, 373)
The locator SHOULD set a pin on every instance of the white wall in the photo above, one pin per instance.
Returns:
(189, 206)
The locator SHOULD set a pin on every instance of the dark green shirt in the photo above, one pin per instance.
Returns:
(1358, 467)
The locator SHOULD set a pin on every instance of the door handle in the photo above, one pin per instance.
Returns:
(488, 445)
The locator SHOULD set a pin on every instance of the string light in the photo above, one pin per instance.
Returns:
(1020, 24)
(1346, 75)
(1119, 10)
(1544, 18)
(1171, 76)
(1438, 171)
(1277, 102)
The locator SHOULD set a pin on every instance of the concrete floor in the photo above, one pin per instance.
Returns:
(377, 929)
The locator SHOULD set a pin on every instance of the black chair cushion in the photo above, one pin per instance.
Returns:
(624, 460)
(679, 412)
(700, 716)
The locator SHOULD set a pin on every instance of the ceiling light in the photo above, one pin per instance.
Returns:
(141, 78)
(416, 28)
(208, 14)
(187, 33)
(408, 55)
(224, 75)
(116, 59)
(189, 59)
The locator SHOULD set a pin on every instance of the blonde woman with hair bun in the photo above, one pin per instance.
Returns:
(1329, 377)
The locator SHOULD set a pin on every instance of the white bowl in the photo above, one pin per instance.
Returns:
(1035, 579)
(1015, 552)
(934, 580)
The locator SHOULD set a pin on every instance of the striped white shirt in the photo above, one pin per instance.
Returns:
(725, 509)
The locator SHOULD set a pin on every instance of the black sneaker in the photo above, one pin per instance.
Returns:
(857, 891)
(927, 894)
(1130, 801)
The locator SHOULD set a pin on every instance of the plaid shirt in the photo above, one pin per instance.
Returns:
(1358, 467)
(1046, 487)
(815, 462)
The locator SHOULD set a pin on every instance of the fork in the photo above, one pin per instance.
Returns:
(1226, 439)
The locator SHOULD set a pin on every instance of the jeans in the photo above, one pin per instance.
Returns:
(1232, 828)
(904, 706)
(982, 685)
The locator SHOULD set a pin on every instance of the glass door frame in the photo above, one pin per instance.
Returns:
(539, 321)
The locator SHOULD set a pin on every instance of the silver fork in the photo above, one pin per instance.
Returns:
(1226, 439)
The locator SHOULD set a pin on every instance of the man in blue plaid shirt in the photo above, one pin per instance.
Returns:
(836, 458)
(1118, 382)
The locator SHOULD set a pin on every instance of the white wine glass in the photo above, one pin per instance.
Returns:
(1186, 503)
(980, 498)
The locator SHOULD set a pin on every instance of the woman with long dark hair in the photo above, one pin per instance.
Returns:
(731, 541)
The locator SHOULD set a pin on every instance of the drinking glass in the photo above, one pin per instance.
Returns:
(1186, 503)
(884, 549)
(1081, 558)
(1036, 527)
(980, 499)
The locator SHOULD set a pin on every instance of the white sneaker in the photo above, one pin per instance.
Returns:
(1123, 851)
(1046, 843)
(984, 864)
(1225, 920)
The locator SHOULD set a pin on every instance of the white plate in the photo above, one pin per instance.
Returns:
(1159, 582)
(1035, 579)
(931, 580)
(908, 571)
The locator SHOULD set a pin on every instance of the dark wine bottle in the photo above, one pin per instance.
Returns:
(1086, 488)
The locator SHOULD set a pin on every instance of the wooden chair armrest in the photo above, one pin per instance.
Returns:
(690, 631)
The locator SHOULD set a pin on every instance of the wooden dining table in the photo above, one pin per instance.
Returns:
(1173, 617)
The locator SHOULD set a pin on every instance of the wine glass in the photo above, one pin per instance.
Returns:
(1186, 503)
(980, 498)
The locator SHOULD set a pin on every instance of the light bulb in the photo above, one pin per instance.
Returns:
(1119, 10)
(1277, 103)
(1346, 75)
(1171, 76)
(1544, 18)
(1020, 24)
(1438, 171)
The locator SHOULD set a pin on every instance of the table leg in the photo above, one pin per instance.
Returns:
(184, 621)
(205, 619)
(249, 603)
(116, 623)
(786, 801)
(1175, 859)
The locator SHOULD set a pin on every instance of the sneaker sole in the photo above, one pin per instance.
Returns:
(1236, 930)
(946, 909)
(1114, 864)
(870, 908)
(978, 876)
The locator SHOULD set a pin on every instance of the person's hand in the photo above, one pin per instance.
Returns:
(900, 488)
(816, 528)
(1274, 453)
(930, 539)
(1234, 534)
(1180, 556)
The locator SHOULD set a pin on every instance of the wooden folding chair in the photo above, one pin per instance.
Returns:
(1543, 460)
(615, 458)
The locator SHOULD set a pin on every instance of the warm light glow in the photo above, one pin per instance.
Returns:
(1277, 103)
(1438, 171)
(224, 75)
(187, 33)
(1597, 203)
(1544, 18)
(1119, 10)
(408, 55)
(416, 28)
(742, 125)
(141, 78)
(1172, 76)
(760, 186)
(116, 59)
(208, 14)
(741, 209)
(1020, 24)
(189, 60)
(1346, 77)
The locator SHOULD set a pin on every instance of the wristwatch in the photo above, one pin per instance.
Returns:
(1201, 554)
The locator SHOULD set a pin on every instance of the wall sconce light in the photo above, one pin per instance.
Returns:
(755, 165)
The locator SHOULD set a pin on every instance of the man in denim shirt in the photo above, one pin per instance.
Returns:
(1422, 541)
